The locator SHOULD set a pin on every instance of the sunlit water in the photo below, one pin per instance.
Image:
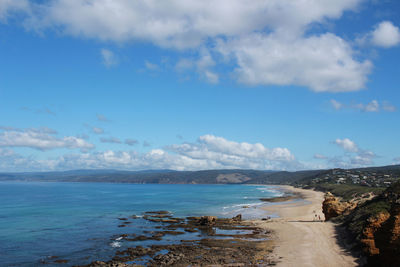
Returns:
(78, 221)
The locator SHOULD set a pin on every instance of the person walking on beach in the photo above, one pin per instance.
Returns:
(319, 218)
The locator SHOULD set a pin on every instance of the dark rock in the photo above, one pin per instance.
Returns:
(158, 212)
(237, 218)
(208, 220)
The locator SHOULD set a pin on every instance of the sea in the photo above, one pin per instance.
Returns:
(78, 222)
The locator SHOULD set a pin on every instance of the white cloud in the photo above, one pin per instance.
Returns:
(7, 7)
(347, 144)
(323, 63)
(396, 160)
(211, 76)
(209, 152)
(385, 35)
(265, 39)
(40, 138)
(336, 105)
(230, 154)
(112, 140)
(354, 155)
(108, 57)
(183, 23)
(373, 106)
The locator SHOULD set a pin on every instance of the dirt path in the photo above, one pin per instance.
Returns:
(301, 241)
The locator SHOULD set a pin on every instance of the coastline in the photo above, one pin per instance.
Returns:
(300, 240)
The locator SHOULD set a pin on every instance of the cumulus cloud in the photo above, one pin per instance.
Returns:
(396, 160)
(373, 106)
(353, 157)
(230, 154)
(347, 144)
(266, 40)
(323, 63)
(40, 138)
(108, 57)
(183, 23)
(385, 35)
(208, 152)
(8, 7)
(112, 140)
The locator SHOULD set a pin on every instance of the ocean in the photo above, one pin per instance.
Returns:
(78, 222)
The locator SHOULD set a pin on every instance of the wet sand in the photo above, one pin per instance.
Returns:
(302, 241)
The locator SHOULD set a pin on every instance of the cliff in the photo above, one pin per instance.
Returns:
(375, 224)
(333, 207)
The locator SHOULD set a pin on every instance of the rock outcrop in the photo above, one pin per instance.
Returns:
(208, 220)
(368, 234)
(376, 225)
(333, 207)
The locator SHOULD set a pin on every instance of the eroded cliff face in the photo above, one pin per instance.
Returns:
(375, 224)
(333, 207)
(387, 236)
(368, 234)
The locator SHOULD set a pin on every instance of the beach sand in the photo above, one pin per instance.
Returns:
(301, 241)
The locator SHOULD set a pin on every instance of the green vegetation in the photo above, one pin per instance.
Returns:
(346, 191)
(306, 179)
(358, 219)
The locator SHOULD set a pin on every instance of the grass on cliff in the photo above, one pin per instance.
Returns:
(347, 191)
(358, 219)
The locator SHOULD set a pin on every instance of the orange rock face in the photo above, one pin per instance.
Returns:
(333, 207)
(368, 240)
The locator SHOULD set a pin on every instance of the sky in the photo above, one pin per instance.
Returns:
(192, 85)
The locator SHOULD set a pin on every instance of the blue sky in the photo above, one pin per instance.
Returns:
(193, 85)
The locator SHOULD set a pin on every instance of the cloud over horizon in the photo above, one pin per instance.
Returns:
(353, 156)
(209, 152)
(40, 138)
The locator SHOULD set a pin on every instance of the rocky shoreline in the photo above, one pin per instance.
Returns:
(217, 241)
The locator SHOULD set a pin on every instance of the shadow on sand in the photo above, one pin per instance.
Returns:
(348, 245)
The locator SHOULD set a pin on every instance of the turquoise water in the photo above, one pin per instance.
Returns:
(78, 221)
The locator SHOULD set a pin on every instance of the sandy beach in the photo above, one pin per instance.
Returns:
(300, 240)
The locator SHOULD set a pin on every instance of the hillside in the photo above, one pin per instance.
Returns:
(375, 177)
(164, 176)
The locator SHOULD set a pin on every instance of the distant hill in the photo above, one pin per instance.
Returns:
(175, 177)
(163, 176)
